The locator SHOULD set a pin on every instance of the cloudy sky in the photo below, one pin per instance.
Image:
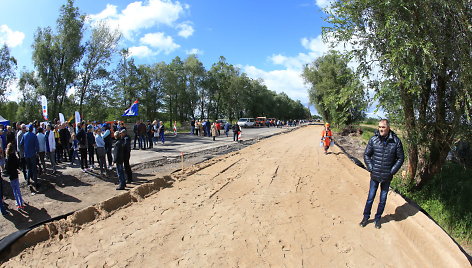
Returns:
(267, 39)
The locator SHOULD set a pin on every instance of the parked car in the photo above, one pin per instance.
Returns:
(246, 122)
(260, 121)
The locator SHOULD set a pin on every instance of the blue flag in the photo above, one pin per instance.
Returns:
(133, 110)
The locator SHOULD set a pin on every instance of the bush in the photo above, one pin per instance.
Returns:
(446, 198)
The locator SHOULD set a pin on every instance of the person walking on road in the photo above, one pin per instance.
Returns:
(227, 127)
(326, 137)
(383, 157)
(214, 131)
(236, 130)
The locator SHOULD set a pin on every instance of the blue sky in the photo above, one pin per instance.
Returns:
(271, 40)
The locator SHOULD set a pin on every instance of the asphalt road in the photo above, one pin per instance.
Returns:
(185, 143)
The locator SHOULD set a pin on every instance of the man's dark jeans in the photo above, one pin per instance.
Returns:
(121, 175)
(31, 172)
(374, 185)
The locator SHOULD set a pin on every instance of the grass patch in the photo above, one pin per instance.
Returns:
(447, 198)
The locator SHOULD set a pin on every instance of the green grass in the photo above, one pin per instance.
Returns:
(447, 198)
(367, 133)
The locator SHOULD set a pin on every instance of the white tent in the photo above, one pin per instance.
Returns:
(3, 121)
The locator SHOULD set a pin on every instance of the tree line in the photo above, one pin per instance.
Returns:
(85, 59)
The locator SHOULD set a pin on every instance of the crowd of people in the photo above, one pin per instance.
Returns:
(92, 145)
(25, 148)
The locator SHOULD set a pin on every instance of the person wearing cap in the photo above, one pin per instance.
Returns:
(126, 154)
(326, 137)
(30, 144)
(383, 157)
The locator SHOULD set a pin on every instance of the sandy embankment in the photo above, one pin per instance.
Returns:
(280, 202)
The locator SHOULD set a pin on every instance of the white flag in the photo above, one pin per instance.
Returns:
(77, 118)
(61, 118)
(44, 104)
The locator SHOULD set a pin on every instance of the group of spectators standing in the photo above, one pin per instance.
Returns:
(25, 147)
(207, 129)
(148, 134)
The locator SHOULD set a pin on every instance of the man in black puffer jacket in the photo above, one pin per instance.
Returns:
(383, 158)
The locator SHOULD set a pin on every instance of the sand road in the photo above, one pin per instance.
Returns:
(278, 203)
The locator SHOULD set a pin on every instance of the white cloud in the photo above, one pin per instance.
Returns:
(10, 37)
(138, 15)
(140, 52)
(185, 29)
(323, 3)
(288, 81)
(194, 51)
(159, 41)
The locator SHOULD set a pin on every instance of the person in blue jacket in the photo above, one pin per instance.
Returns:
(30, 145)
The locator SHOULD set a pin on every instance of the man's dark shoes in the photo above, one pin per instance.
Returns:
(363, 223)
(120, 188)
(378, 225)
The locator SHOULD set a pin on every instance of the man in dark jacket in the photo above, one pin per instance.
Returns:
(127, 155)
(142, 135)
(383, 158)
(236, 130)
(82, 138)
(118, 159)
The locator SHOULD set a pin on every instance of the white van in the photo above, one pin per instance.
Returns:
(246, 122)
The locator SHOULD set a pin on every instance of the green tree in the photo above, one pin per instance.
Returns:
(335, 90)
(7, 71)
(98, 54)
(424, 53)
(56, 56)
(195, 76)
(29, 106)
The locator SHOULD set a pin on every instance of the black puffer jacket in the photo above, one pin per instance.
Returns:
(383, 156)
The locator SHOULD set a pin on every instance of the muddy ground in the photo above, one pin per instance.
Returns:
(279, 202)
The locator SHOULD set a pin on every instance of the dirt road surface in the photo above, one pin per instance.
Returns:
(280, 202)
